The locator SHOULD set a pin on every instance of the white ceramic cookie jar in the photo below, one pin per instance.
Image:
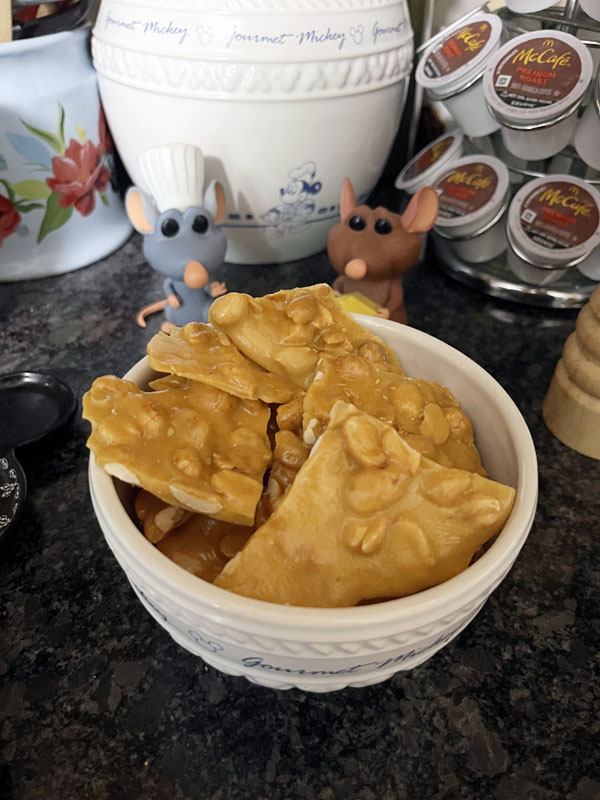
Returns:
(284, 98)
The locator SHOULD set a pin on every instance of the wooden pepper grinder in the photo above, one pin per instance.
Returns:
(571, 409)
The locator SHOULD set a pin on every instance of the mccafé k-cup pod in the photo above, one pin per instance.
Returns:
(452, 67)
(429, 162)
(533, 87)
(473, 195)
(553, 224)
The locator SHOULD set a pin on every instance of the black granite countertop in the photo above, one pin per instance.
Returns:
(97, 702)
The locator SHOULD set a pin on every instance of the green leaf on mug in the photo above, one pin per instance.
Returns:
(55, 142)
(61, 128)
(54, 217)
(104, 198)
(9, 190)
(32, 189)
(23, 208)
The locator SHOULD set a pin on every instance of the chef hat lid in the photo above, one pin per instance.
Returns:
(174, 175)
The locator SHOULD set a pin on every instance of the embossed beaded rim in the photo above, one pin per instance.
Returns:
(294, 80)
(336, 622)
(267, 6)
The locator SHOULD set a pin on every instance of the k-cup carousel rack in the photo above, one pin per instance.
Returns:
(493, 277)
(572, 289)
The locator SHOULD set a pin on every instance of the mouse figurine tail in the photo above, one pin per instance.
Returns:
(152, 308)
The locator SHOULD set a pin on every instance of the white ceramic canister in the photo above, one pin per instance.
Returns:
(534, 86)
(591, 8)
(284, 98)
(587, 136)
(58, 209)
(553, 224)
(473, 195)
(451, 69)
(429, 162)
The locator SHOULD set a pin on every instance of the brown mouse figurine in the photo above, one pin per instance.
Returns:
(372, 247)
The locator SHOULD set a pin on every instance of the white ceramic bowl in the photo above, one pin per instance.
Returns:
(325, 649)
(285, 99)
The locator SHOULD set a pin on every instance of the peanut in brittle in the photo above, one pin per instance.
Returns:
(193, 446)
(197, 543)
(157, 517)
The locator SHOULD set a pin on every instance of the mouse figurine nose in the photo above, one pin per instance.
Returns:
(195, 275)
(356, 269)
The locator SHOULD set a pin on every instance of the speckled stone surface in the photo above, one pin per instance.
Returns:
(98, 703)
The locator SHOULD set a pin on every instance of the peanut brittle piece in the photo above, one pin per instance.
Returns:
(426, 414)
(203, 545)
(287, 331)
(289, 454)
(350, 378)
(367, 517)
(430, 419)
(205, 354)
(193, 446)
(197, 543)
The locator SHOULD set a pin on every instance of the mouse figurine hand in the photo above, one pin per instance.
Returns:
(373, 248)
(182, 238)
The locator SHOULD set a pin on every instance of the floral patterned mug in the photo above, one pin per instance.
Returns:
(58, 209)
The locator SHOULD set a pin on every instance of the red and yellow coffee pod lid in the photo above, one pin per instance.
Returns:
(554, 221)
(459, 56)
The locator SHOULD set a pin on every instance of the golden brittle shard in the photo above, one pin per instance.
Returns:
(204, 354)
(286, 332)
(367, 516)
(193, 446)
(426, 414)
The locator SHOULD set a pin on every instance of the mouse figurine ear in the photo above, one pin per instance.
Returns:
(422, 211)
(347, 198)
(214, 201)
(141, 210)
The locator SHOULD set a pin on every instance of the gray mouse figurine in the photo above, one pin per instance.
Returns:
(182, 238)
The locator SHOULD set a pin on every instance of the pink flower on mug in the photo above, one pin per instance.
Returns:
(9, 218)
(77, 175)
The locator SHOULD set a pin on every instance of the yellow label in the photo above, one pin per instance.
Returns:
(546, 56)
(471, 40)
(357, 303)
(474, 179)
